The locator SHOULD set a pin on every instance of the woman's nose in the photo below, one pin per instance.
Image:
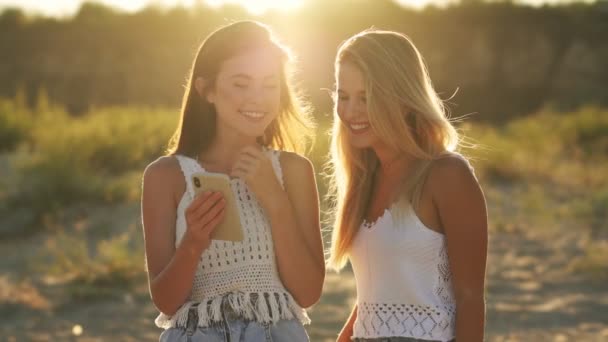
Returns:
(352, 110)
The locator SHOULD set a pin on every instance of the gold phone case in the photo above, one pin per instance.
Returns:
(230, 228)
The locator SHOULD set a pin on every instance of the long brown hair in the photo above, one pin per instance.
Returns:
(196, 129)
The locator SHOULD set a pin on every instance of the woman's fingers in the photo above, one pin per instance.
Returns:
(238, 173)
(197, 200)
(248, 159)
(246, 162)
(212, 213)
(245, 166)
(252, 151)
(214, 221)
(202, 206)
(241, 169)
(207, 204)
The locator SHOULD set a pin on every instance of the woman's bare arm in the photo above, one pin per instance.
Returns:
(462, 211)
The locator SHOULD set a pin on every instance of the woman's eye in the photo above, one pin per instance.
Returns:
(339, 97)
(240, 85)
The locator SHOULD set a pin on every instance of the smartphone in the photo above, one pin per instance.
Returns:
(230, 228)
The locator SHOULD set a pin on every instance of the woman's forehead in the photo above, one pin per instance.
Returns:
(252, 63)
(349, 77)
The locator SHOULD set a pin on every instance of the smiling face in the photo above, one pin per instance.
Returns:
(351, 105)
(246, 94)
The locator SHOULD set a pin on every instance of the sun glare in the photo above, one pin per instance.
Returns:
(259, 6)
(255, 7)
(422, 3)
(66, 7)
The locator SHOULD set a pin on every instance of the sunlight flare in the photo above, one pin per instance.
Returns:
(259, 6)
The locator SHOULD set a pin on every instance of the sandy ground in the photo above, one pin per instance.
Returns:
(532, 295)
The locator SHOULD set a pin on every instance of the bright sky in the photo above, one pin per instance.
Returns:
(68, 7)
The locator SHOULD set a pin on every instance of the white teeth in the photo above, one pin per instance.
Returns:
(358, 126)
(253, 115)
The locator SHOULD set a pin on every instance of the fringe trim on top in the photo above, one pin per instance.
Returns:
(259, 307)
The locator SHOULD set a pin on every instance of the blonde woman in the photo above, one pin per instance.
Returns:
(410, 214)
(240, 117)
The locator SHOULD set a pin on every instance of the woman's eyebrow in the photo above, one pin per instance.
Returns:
(249, 77)
(360, 92)
(241, 75)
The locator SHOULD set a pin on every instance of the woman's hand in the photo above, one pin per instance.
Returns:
(255, 168)
(206, 211)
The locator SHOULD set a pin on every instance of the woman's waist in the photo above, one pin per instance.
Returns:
(411, 320)
(405, 299)
(258, 306)
(374, 307)
(243, 278)
(403, 288)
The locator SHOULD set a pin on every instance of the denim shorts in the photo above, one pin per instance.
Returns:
(392, 339)
(235, 329)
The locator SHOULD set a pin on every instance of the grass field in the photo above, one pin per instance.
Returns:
(72, 265)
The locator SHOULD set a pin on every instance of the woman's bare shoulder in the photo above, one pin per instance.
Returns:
(291, 160)
(451, 174)
(164, 174)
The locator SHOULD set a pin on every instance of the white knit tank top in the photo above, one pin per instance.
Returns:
(403, 279)
(242, 275)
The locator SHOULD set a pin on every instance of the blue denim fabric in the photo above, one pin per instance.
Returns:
(234, 329)
(391, 339)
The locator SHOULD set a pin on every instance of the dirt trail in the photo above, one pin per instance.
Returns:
(532, 296)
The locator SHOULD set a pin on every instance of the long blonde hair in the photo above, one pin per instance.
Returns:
(292, 129)
(404, 112)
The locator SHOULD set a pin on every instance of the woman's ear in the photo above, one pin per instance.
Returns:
(201, 88)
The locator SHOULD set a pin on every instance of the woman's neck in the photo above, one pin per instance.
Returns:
(224, 151)
(392, 161)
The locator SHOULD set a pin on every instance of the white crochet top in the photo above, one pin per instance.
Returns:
(403, 279)
(242, 274)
